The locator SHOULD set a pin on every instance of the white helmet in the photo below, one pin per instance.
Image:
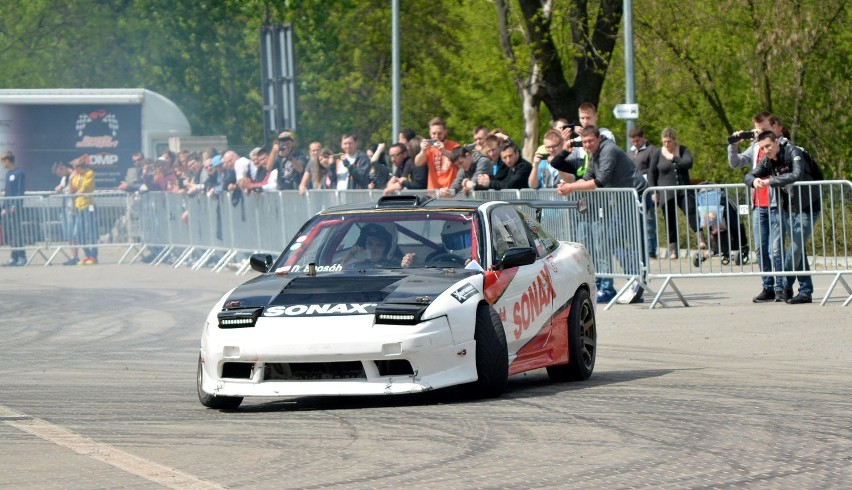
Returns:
(457, 236)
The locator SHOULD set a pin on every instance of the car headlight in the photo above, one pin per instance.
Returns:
(399, 314)
(242, 318)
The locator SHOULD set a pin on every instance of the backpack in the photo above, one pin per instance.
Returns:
(813, 170)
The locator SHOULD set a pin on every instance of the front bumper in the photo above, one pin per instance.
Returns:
(270, 356)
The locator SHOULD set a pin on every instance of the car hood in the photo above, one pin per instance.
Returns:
(414, 286)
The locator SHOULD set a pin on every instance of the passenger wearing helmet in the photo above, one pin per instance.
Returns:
(456, 237)
(457, 240)
(374, 248)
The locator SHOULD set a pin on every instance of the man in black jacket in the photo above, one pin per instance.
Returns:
(784, 164)
(406, 175)
(641, 152)
(517, 172)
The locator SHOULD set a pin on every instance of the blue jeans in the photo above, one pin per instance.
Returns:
(85, 232)
(800, 226)
(594, 236)
(767, 235)
(599, 236)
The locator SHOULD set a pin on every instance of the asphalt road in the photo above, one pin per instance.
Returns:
(98, 391)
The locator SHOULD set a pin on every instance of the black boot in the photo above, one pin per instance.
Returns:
(765, 296)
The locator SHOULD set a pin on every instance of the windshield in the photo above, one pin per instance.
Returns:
(361, 241)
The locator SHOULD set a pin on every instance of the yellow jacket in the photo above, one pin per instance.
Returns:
(84, 183)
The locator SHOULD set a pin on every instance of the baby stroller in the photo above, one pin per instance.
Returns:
(721, 223)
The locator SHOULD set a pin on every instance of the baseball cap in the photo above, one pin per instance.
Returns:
(285, 135)
(254, 152)
(216, 160)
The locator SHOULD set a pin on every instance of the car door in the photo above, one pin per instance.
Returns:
(521, 295)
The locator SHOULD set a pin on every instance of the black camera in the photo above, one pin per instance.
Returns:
(576, 144)
(745, 135)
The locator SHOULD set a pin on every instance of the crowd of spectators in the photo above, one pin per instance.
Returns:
(578, 156)
(414, 162)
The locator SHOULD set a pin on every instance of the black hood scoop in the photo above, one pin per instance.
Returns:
(337, 289)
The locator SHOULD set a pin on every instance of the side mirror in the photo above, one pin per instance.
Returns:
(516, 257)
(260, 262)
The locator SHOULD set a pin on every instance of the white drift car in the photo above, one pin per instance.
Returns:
(402, 296)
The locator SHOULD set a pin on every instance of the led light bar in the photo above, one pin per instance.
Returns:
(399, 314)
(240, 318)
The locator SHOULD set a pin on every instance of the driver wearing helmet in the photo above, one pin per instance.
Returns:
(374, 248)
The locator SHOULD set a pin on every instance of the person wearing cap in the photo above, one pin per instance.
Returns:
(212, 167)
(11, 210)
(288, 161)
(226, 180)
(84, 230)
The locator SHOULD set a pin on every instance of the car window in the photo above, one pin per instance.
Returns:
(544, 241)
(370, 240)
(507, 230)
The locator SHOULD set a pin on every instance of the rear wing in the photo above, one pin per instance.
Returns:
(539, 205)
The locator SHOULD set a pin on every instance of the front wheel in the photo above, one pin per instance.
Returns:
(210, 401)
(582, 341)
(492, 357)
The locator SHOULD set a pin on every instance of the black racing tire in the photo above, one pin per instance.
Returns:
(492, 355)
(582, 341)
(210, 401)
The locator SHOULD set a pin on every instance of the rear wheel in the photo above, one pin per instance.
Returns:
(492, 357)
(582, 341)
(210, 401)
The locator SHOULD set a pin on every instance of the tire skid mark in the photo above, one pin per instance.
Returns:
(155, 472)
(477, 444)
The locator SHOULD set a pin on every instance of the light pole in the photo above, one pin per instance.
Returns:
(630, 92)
(395, 68)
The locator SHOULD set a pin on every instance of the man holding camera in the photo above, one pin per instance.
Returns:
(544, 174)
(435, 153)
(288, 162)
(782, 165)
(765, 215)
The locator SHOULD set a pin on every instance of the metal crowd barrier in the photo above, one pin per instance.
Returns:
(724, 240)
(47, 227)
(717, 240)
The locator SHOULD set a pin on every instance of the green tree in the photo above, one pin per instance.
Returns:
(706, 71)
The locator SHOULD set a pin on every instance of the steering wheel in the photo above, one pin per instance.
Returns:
(444, 258)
